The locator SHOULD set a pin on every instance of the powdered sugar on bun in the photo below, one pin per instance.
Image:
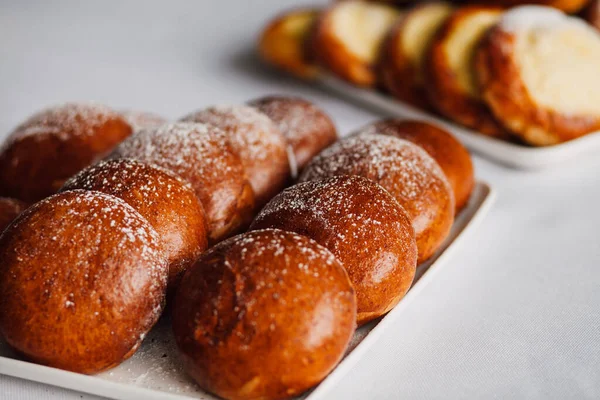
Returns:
(405, 170)
(84, 281)
(362, 225)
(202, 155)
(258, 142)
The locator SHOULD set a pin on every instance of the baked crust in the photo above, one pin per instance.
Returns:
(450, 154)
(508, 97)
(201, 155)
(9, 210)
(445, 91)
(83, 281)
(399, 73)
(263, 315)
(258, 142)
(168, 204)
(306, 127)
(333, 52)
(54, 144)
(362, 225)
(283, 42)
(405, 170)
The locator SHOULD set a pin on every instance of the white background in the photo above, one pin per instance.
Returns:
(515, 314)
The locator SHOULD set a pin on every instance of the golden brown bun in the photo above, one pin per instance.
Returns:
(307, 128)
(404, 50)
(263, 315)
(140, 120)
(9, 210)
(405, 170)
(83, 280)
(450, 154)
(52, 145)
(347, 39)
(362, 225)
(569, 6)
(591, 13)
(538, 71)
(167, 203)
(283, 42)
(201, 155)
(257, 141)
(450, 82)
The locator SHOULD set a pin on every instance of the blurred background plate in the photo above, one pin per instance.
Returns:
(509, 154)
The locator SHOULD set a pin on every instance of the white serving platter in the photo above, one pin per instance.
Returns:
(509, 154)
(155, 373)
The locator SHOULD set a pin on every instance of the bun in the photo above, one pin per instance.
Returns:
(257, 141)
(449, 153)
(52, 145)
(403, 169)
(283, 42)
(404, 51)
(306, 127)
(83, 281)
(348, 36)
(451, 85)
(9, 210)
(362, 225)
(140, 120)
(550, 62)
(168, 204)
(266, 314)
(201, 155)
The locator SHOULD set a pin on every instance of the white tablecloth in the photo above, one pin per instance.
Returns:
(515, 314)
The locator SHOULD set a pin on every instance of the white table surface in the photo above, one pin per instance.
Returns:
(516, 312)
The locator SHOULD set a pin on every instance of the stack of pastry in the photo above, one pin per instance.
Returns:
(486, 67)
(134, 219)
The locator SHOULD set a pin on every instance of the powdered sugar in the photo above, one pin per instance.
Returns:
(258, 142)
(66, 120)
(306, 127)
(140, 120)
(401, 167)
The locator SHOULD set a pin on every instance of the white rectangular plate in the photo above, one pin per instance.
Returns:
(509, 154)
(155, 373)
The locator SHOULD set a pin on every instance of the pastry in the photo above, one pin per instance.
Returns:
(257, 141)
(446, 150)
(54, 144)
(263, 315)
(201, 155)
(306, 127)
(538, 72)
(403, 169)
(168, 204)
(450, 80)
(283, 42)
(362, 225)
(348, 36)
(83, 280)
(404, 50)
